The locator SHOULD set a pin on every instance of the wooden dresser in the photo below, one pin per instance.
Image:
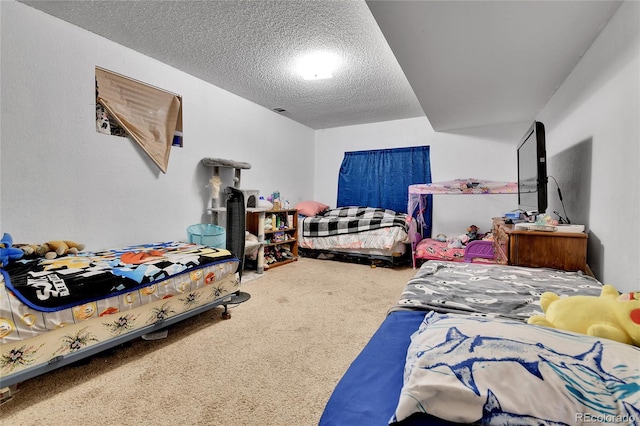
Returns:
(558, 250)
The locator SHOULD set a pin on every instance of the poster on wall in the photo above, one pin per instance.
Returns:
(150, 116)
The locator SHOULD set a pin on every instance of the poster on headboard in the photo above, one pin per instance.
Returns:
(418, 198)
(150, 116)
(465, 186)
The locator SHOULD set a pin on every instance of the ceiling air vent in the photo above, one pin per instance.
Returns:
(279, 110)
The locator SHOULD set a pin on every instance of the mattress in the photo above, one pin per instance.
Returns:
(379, 241)
(489, 290)
(474, 251)
(368, 393)
(354, 229)
(409, 369)
(50, 309)
(432, 249)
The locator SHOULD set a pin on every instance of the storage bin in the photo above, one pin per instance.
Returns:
(207, 234)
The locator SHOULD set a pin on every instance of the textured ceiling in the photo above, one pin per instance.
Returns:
(470, 63)
(481, 63)
(250, 48)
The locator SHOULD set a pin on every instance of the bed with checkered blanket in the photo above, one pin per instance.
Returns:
(54, 312)
(365, 232)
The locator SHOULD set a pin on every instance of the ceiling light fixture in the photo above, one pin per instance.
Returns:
(317, 66)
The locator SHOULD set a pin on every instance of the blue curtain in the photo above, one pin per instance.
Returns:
(381, 177)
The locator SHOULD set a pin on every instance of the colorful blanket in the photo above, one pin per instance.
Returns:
(64, 282)
(346, 220)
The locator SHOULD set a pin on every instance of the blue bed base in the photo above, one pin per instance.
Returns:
(368, 392)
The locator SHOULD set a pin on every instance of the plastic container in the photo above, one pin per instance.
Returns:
(207, 234)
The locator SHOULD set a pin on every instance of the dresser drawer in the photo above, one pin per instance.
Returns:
(558, 250)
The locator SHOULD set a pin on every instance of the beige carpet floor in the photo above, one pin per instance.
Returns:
(275, 362)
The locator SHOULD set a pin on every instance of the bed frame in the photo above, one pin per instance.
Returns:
(368, 393)
(11, 380)
(477, 249)
(364, 243)
(390, 260)
(208, 293)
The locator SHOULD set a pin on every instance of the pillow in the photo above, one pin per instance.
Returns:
(310, 208)
(494, 371)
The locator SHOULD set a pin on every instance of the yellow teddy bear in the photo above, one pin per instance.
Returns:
(611, 315)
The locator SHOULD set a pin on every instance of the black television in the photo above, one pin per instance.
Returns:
(532, 171)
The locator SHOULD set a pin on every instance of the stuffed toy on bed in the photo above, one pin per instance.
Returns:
(7, 251)
(55, 248)
(611, 315)
(50, 249)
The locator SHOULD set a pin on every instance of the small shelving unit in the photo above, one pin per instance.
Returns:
(280, 239)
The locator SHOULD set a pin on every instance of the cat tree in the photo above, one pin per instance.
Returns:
(218, 208)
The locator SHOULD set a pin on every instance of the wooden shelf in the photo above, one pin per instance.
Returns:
(248, 209)
(558, 250)
(280, 242)
(273, 249)
(273, 231)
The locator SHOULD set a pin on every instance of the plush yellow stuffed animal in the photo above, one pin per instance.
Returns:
(611, 315)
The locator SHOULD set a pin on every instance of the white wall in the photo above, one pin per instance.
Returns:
(600, 103)
(60, 179)
(483, 153)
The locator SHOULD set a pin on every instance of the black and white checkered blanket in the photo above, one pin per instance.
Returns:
(346, 220)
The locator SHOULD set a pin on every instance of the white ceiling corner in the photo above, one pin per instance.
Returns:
(482, 63)
(464, 63)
